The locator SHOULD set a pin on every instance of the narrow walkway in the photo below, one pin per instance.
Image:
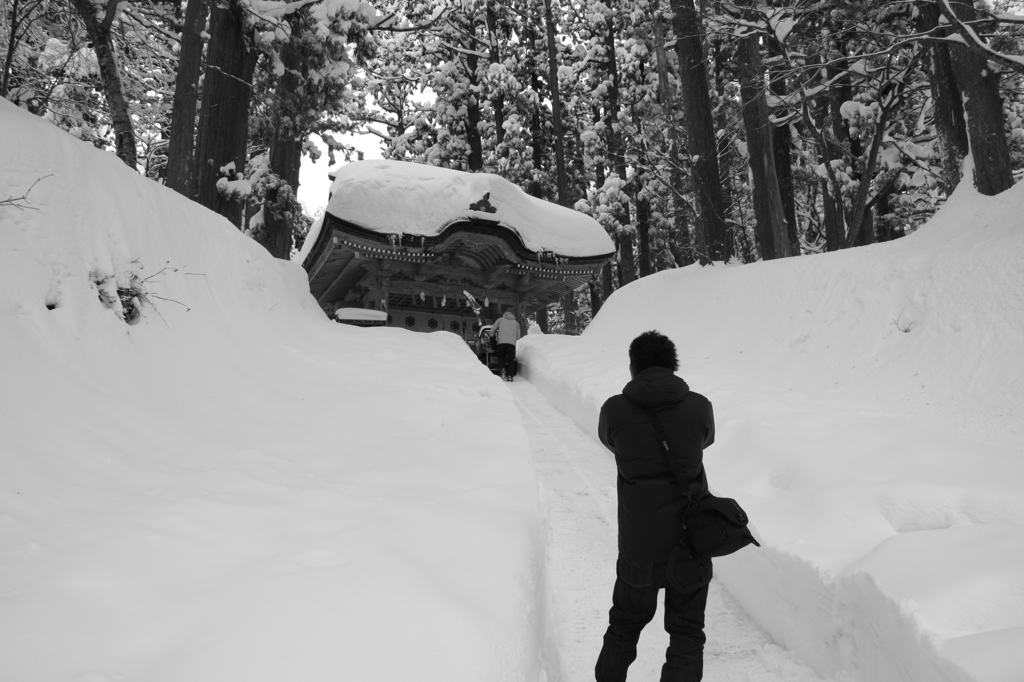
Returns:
(577, 477)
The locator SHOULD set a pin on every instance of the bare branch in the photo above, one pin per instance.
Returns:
(969, 38)
(21, 203)
(408, 29)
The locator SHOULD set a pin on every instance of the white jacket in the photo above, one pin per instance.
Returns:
(506, 329)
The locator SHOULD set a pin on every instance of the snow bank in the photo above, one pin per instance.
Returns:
(394, 197)
(236, 488)
(870, 406)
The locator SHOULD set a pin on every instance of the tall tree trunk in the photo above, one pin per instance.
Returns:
(536, 128)
(181, 148)
(97, 26)
(643, 232)
(561, 176)
(832, 215)
(830, 148)
(772, 237)
(882, 209)
(867, 230)
(979, 85)
(946, 103)
(475, 161)
(627, 267)
(616, 152)
(693, 77)
(680, 236)
(857, 220)
(13, 38)
(224, 112)
(473, 118)
(285, 151)
(599, 171)
(782, 145)
(498, 101)
(730, 165)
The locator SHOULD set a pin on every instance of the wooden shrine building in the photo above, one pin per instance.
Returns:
(412, 240)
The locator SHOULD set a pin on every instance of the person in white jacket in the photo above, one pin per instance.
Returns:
(506, 331)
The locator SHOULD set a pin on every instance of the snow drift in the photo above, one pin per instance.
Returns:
(870, 409)
(235, 487)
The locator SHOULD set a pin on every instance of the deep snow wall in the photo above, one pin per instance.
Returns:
(846, 629)
(236, 487)
(870, 410)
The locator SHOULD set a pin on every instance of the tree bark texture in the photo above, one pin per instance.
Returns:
(858, 219)
(666, 96)
(473, 118)
(536, 129)
(98, 29)
(285, 152)
(13, 38)
(498, 101)
(832, 215)
(693, 76)
(224, 113)
(831, 148)
(947, 107)
(181, 147)
(561, 175)
(643, 232)
(782, 144)
(979, 85)
(772, 236)
(617, 156)
(627, 267)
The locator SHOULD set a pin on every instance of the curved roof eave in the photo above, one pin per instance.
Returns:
(470, 224)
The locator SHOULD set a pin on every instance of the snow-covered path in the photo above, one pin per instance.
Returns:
(577, 478)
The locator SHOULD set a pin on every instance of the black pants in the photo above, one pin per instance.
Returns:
(634, 602)
(506, 353)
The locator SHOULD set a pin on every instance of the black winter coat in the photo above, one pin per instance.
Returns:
(652, 488)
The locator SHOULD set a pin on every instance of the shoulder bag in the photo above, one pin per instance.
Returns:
(712, 526)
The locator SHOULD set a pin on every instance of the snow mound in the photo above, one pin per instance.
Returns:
(234, 487)
(870, 409)
(394, 197)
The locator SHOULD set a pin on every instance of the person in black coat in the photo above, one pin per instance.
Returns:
(652, 493)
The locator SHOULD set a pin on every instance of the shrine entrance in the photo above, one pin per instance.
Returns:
(424, 243)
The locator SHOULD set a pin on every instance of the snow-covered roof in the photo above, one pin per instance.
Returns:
(395, 197)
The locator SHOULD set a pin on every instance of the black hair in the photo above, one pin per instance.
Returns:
(653, 349)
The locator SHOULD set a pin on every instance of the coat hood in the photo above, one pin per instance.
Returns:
(656, 386)
(508, 315)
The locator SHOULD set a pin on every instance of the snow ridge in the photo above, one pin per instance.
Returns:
(870, 406)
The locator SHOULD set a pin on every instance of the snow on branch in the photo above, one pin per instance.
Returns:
(440, 13)
(967, 36)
